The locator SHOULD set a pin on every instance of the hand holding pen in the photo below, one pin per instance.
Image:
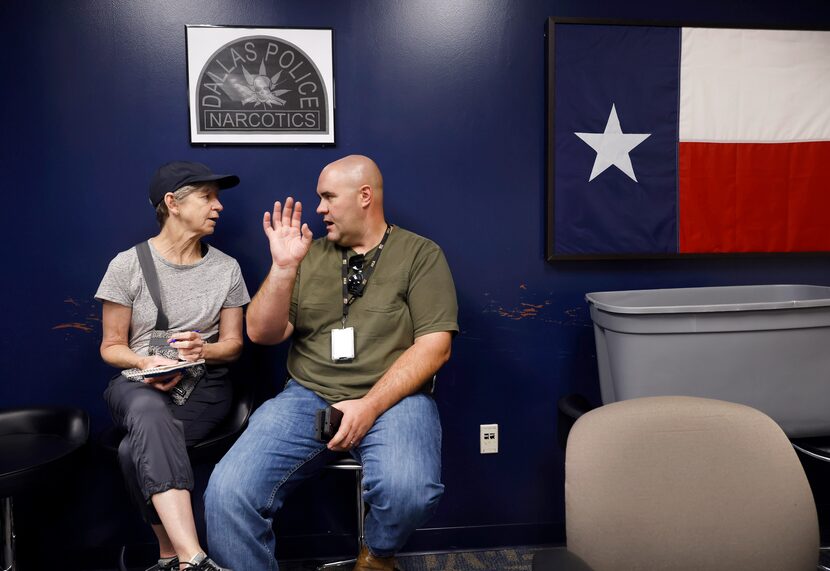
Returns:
(190, 345)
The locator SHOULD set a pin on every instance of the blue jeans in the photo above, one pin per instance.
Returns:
(401, 457)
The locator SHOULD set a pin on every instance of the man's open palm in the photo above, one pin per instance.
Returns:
(289, 239)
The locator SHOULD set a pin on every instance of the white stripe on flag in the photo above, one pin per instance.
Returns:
(754, 85)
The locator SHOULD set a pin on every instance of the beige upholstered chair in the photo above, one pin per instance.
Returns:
(682, 483)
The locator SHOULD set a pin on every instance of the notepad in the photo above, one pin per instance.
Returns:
(141, 374)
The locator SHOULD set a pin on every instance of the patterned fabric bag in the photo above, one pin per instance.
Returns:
(190, 375)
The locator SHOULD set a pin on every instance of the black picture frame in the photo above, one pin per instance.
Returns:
(552, 254)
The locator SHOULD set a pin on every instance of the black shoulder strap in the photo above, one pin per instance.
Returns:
(148, 268)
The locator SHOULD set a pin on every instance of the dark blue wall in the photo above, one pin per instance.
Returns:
(447, 96)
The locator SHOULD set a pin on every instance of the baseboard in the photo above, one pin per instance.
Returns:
(485, 536)
(435, 539)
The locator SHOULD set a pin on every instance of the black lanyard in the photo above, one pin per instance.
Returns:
(348, 300)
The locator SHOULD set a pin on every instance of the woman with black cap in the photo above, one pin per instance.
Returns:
(168, 300)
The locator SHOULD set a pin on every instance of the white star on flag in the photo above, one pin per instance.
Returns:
(613, 146)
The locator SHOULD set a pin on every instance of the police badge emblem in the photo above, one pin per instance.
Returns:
(260, 85)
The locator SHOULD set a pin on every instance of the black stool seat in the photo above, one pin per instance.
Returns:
(344, 463)
(35, 442)
(24, 455)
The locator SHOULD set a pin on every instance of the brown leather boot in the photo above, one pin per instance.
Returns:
(368, 562)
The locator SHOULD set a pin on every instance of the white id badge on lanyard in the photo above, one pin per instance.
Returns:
(342, 344)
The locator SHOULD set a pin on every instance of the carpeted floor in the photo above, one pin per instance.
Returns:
(508, 559)
(513, 559)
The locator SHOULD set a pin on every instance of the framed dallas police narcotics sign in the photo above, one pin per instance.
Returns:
(260, 85)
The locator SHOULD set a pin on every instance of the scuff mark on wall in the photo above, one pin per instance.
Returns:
(536, 309)
(523, 310)
(75, 325)
(83, 316)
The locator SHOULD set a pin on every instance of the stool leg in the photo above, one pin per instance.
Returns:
(121, 565)
(361, 509)
(361, 516)
(8, 535)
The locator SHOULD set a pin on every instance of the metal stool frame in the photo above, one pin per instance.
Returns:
(351, 465)
(8, 534)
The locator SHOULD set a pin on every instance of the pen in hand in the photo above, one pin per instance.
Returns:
(175, 340)
(190, 345)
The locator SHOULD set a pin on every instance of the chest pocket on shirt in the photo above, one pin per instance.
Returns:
(315, 317)
(385, 293)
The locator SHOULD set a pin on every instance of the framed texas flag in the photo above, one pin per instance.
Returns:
(665, 140)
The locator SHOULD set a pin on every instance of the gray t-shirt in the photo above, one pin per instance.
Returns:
(192, 295)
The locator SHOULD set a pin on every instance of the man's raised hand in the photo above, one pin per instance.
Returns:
(289, 240)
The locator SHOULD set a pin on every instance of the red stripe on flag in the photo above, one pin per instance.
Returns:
(754, 197)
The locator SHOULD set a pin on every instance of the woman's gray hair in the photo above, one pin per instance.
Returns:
(162, 213)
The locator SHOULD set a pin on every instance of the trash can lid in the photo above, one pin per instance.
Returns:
(711, 299)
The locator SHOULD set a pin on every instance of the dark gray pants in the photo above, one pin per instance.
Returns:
(153, 454)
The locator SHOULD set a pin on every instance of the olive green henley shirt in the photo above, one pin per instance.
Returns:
(409, 294)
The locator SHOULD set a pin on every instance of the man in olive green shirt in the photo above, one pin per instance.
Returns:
(371, 311)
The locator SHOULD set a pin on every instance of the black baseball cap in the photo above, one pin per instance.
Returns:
(172, 176)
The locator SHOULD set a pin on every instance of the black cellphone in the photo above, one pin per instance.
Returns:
(327, 422)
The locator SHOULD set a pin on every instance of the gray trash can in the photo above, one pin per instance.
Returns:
(766, 346)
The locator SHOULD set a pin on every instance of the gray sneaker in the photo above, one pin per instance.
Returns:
(203, 563)
(162, 565)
